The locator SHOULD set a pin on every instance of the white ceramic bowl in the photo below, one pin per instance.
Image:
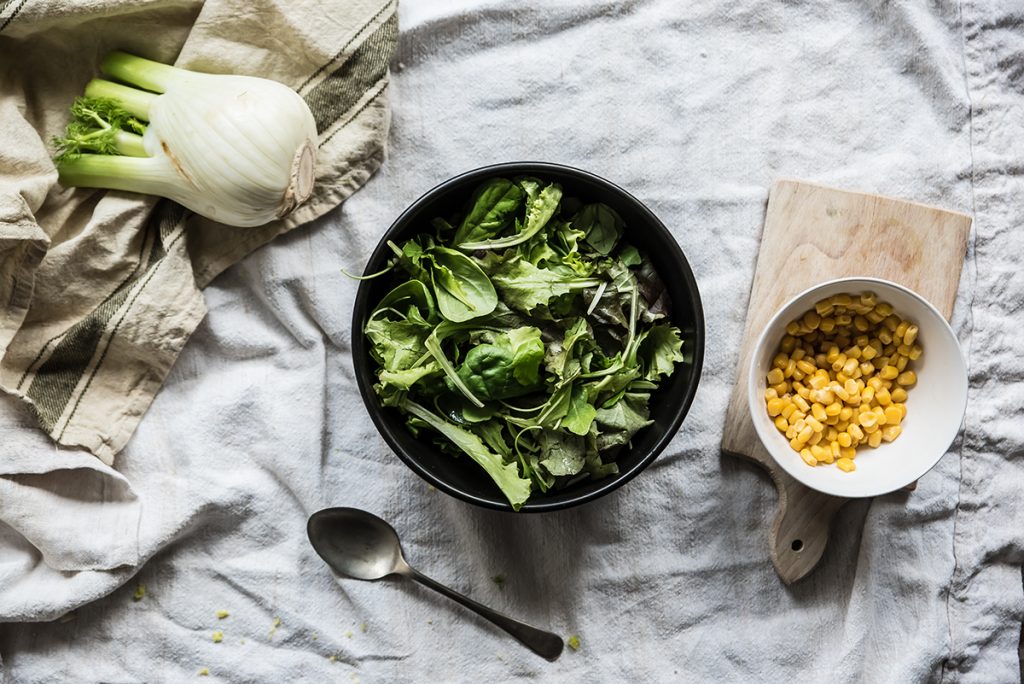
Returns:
(935, 405)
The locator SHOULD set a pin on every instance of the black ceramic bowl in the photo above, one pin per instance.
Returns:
(461, 477)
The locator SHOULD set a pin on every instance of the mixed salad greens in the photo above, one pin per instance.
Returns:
(526, 334)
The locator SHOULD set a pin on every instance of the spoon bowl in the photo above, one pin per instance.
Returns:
(359, 545)
(355, 544)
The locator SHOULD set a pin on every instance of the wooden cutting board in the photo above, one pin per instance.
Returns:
(813, 234)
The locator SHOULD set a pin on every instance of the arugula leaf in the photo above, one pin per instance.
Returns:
(494, 204)
(660, 350)
(618, 424)
(525, 286)
(463, 290)
(581, 412)
(506, 475)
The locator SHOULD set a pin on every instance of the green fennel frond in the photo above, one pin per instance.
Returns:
(93, 128)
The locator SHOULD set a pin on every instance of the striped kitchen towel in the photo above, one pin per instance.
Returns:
(99, 291)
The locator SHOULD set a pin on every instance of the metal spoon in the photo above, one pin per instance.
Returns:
(361, 546)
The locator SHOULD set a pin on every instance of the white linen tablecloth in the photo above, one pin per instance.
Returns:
(695, 108)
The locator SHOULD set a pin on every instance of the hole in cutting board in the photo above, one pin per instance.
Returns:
(797, 545)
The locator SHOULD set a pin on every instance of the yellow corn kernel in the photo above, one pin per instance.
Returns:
(814, 423)
(901, 365)
(907, 378)
(781, 388)
(866, 369)
(788, 343)
(888, 373)
(868, 299)
(815, 438)
(770, 393)
(798, 415)
(844, 319)
(823, 396)
(820, 360)
(872, 429)
(884, 308)
(833, 354)
(780, 361)
(798, 354)
(827, 325)
(832, 420)
(805, 367)
(839, 362)
(801, 402)
(844, 439)
(834, 409)
(899, 394)
(903, 349)
(867, 395)
(806, 433)
(841, 299)
(891, 432)
(868, 352)
(862, 341)
(893, 415)
(796, 445)
(788, 410)
(811, 320)
(846, 465)
(808, 458)
(861, 323)
(874, 439)
(856, 432)
(891, 322)
(880, 415)
(775, 376)
(823, 307)
(793, 328)
(847, 452)
(817, 382)
(915, 353)
(839, 391)
(884, 336)
(801, 390)
(818, 411)
(818, 452)
(834, 448)
(831, 434)
(842, 377)
(845, 414)
(775, 407)
(782, 424)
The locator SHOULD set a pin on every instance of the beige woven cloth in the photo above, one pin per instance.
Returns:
(99, 291)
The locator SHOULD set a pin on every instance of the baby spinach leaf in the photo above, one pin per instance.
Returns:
(563, 454)
(602, 226)
(463, 290)
(540, 207)
(494, 206)
(505, 369)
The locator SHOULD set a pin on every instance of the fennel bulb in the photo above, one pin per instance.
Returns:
(236, 149)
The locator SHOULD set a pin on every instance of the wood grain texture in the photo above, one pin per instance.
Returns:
(813, 234)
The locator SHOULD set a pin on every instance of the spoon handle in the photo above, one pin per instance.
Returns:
(544, 644)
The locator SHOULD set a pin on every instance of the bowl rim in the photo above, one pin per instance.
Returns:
(608, 484)
(754, 389)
